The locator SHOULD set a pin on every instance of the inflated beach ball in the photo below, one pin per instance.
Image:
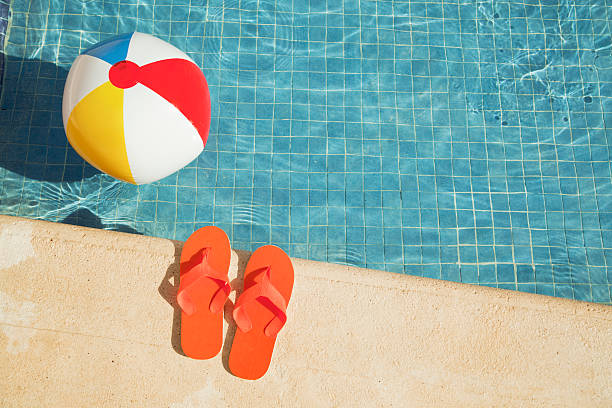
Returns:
(136, 107)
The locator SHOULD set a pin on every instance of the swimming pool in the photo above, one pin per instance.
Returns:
(465, 141)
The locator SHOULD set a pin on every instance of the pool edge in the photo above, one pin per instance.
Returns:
(371, 336)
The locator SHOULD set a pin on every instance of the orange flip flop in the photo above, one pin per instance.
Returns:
(203, 290)
(260, 311)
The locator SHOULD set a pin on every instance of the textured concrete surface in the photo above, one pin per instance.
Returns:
(88, 318)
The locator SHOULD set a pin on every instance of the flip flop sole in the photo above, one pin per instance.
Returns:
(202, 332)
(251, 351)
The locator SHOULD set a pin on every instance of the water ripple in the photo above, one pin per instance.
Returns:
(246, 213)
(265, 28)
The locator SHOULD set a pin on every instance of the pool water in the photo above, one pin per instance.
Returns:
(465, 141)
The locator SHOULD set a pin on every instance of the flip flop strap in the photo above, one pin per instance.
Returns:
(190, 280)
(265, 292)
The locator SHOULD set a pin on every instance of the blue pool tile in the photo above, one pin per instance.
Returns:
(469, 273)
(185, 213)
(450, 272)
(601, 293)
(583, 292)
(183, 230)
(564, 290)
(527, 287)
(525, 273)
(506, 273)
(166, 212)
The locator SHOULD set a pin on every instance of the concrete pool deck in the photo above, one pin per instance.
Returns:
(88, 318)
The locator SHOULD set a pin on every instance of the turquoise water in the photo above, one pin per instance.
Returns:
(465, 141)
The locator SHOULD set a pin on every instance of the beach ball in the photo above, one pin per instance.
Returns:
(136, 107)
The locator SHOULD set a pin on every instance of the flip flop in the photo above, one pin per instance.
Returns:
(203, 290)
(260, 311)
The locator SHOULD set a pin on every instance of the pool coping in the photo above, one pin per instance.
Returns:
(354, 336)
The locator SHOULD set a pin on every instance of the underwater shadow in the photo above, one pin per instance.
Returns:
(32, 138)
(85, 218)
